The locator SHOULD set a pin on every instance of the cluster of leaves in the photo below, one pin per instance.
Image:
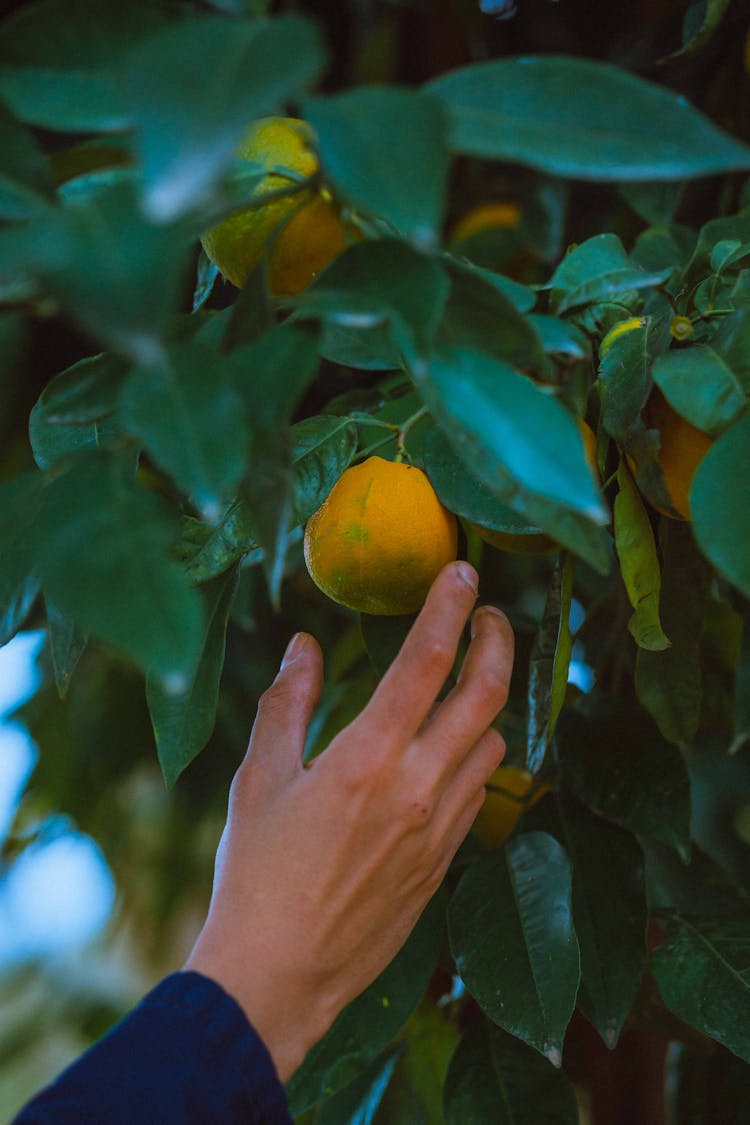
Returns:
(182, 456)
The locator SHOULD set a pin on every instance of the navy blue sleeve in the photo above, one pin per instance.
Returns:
(185, 1055)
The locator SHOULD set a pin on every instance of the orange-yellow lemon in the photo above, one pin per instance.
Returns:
(510, 791)
(682, 447)
(301, 232)
(487, 216)
(380, 539)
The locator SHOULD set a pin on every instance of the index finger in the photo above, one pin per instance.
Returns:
(404, 696)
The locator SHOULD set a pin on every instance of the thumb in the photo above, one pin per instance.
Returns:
(286, 707)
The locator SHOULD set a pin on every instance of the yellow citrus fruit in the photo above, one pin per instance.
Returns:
(301, 232)
(380, 538)
(510, 791)
(487, 216)
(682, 447)
(526, 539)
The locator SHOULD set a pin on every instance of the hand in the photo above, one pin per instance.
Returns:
(322, 871)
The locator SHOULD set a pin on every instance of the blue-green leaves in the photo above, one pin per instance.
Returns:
(580, 118)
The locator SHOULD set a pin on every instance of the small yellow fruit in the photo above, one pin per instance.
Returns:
(301, 232)
(487, 216)
(528, 540)
(682, 447)
(380, 539)
(510, 791)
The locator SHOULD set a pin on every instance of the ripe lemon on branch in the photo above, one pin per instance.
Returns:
(301, 231)
(380, 539)
(510, 791)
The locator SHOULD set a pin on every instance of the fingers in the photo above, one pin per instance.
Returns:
(478, 697)
(406, 693)
(285, 709)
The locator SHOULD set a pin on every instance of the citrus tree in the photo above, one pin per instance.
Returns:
(245, 267)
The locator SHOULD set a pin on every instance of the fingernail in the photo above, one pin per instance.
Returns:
(293, 649)
(468, 574)
(483, 609)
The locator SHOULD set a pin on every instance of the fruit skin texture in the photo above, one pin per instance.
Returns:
(486, 217)
(537, 542)
(500, 813)
(302, 232)
(682, 448)
(380, 539)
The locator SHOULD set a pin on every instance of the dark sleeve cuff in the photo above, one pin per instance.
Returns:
(186, 1054)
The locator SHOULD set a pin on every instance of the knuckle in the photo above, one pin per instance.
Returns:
(437, 655)
(417, 805)
(491, 686)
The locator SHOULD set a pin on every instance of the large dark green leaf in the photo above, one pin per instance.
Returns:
(462, 492)
(193, 90)
(384, 150)
(582, 119)
(493, 415)
(184, 720)
(190, 419)
(76, 410)
(549, 665)
(701, 387)
(374, 1018)
(611, 928)
(495, 1079)
(669, 683)
(615, 760)
(383, 638)
(101, 548)
(382, 282)
(59, 61)
(639, 563)
(511, 933)
(718, 503)
(703, 973)
(19, 584)
(359, 1102)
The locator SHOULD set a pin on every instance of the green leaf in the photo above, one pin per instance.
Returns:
(496, 1078)
(511, 933)
(701, 387)
(66, 643)
(615, 760)
(384, 150)
(75, 411)
(118, 276)
(611, 285)
(549, 665)
(383, 638)
(581, 119)
(268, 494)
(656, 203)
(430, 1037)
(359, 1102)
(251, 314)
(322, 448)
(639, 564)
(466, 495)
(713, 13)
(374, 1018)
(611, 929)
(184, 720)
(522, 297)
(721, 515)
(25, 180)
(369, 349)
(732, 342)
(559, 337)
(669, 684)
(703, 976)
(380, 282)
(272, 374)
(101, 549)
(194, 88)
(191, 421)
(213, 550)
(597, 257)
(479, 316)
(59, 61)
(492, 415)
(19, 584)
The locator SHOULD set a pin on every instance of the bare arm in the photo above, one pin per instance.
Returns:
(323, 871)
